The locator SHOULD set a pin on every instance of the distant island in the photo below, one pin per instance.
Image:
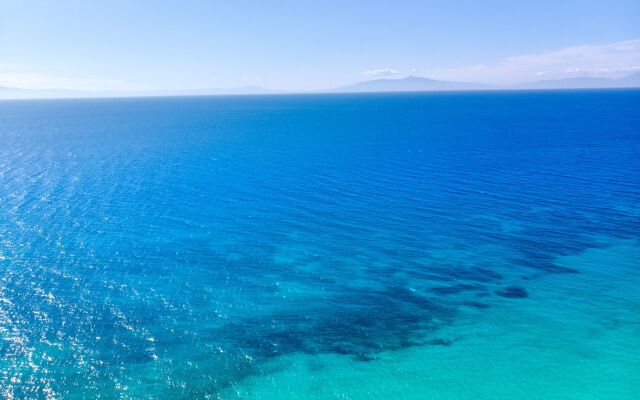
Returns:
(411, 84)
(419, 84)
(407, 84)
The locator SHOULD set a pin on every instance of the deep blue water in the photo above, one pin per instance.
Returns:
(176, 247)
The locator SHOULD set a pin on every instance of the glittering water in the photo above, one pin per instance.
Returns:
(446, 246)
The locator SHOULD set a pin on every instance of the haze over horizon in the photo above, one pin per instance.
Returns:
(196, 45)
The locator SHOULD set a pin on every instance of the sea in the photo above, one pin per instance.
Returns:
(470, 245)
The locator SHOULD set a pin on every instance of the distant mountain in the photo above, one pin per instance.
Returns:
(408, 84)
(411, 84)
(418, 84)
(630, 81)
(633, 79)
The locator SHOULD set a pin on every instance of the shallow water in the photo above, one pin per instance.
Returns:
(454, 246)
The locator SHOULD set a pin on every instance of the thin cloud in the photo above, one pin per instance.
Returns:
(380, 72)
(251, 79)
(612, 60)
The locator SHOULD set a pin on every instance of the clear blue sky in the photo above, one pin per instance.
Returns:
(304, 44)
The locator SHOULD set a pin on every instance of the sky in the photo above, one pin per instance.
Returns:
(309, 44)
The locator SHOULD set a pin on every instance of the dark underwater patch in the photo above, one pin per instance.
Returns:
(459, 273)
(439, 342)
(362, 357)
(355, 322)
(547, 266)
(513, 292)
(456, 289)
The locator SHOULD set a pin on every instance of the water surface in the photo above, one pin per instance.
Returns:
(443, 246)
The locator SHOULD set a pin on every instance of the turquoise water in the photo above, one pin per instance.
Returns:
(440, 246)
